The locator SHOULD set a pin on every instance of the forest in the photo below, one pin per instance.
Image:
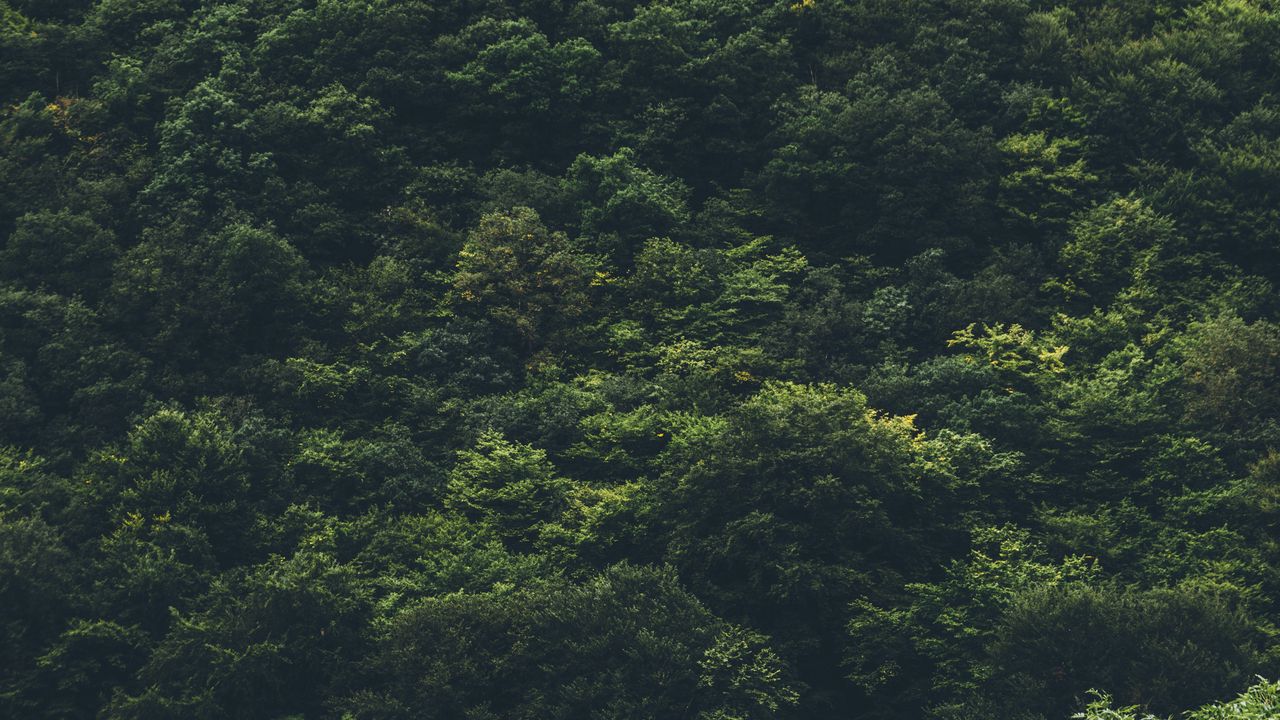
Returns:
(612, 360)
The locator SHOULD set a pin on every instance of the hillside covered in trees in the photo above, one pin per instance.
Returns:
(594, 359)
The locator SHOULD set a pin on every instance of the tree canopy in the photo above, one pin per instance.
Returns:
(696, 359)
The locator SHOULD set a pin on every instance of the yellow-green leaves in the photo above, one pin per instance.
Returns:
(1011, 348)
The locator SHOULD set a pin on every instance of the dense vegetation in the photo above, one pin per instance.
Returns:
(698, 359)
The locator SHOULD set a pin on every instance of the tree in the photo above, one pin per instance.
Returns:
(237, 290)
(887, 169)
(792, 506)
(925, 651)
(1113, 244)
(627, 643)
(66, 373)
(532, 282)
(265, 641)
(201, 469)
(1257, 703)
(37, 582)
(509, 486)
(1227, 370)
(621, 204)
(1162, 649)
(65, 252)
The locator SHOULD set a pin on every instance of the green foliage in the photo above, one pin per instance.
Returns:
(267, 641)
(849, 171)
(622, 203)
(931, 647)
(35, 574)
(235, 291)
(1228, 367)
(702, 359)
(69, 254)
(1013, 351)
(1257, 703)
(627, 643)
(824, 497)
(1047, 176)
(509, 486)
(66, 374)
(1114, 244)
(528, 280)
(1162, 649)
